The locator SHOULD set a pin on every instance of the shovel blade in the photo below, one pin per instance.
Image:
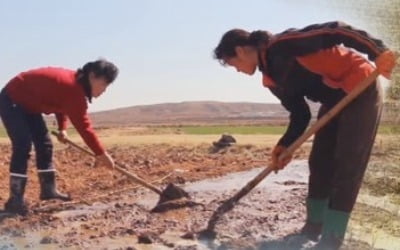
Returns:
(172, 192)
(173, 197)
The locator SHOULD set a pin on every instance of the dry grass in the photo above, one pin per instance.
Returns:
(376, 216)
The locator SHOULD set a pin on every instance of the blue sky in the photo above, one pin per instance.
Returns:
(163, 48)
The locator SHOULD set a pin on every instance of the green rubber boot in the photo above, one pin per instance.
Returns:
(333, 230)
(315, 216)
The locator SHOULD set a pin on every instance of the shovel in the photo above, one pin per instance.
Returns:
(209, 233)
(172, 197)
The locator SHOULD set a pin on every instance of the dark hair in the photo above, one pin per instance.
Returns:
(239, 37)
(101, 68)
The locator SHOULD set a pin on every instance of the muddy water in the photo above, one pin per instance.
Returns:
(206, 190)
(296, 173)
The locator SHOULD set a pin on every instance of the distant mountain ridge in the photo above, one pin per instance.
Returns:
(192, 112)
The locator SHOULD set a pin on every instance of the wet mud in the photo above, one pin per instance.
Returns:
(111, 212)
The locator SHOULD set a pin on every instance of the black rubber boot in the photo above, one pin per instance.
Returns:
(48, 189)
(16, 203)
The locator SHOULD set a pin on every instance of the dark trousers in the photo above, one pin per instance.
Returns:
(25, 128)
(341, 151)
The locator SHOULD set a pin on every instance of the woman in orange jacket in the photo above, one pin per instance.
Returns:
(321, 62)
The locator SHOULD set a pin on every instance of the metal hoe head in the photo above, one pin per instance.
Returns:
(173, 197)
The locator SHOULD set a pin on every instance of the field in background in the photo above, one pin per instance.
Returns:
(203, 134)
(199, 130)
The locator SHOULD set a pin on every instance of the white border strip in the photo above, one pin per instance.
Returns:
(46, 170)
(19, 175)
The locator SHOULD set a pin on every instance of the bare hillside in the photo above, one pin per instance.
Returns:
(190, 112)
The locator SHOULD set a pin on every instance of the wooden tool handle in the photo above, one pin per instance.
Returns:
(118, 166)
(359, 88)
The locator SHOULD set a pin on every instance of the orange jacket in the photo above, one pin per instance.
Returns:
(321, 62)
